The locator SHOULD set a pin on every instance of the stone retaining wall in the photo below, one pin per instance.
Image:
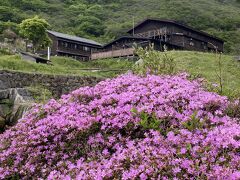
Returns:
(57, 84)
(13, 105)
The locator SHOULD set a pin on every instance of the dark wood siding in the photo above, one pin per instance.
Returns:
(73, 48)
(177, 34)
(54, 46)
(169, 34)
(65, 47)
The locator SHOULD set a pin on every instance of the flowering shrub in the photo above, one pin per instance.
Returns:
(130, 127)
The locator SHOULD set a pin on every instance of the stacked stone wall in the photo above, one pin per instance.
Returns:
(57, 84)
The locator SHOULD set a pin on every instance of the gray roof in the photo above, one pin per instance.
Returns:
(74, 38)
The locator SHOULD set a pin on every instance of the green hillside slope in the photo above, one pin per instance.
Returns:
(65, 66)
(105, 19)
(206, 65)
(197, 64)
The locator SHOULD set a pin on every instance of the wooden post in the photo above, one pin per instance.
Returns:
(49, 53)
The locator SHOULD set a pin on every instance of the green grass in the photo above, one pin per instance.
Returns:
(206, 65)
(40, 93)
(196, 63)
(64, 66)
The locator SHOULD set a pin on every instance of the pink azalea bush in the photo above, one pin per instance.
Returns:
(130, 127)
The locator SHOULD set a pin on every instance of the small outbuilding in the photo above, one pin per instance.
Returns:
(34, 58)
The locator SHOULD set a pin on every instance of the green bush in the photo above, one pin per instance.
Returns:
(40, 93)
(193, 123)
(153, 62)
(4, 51)
(151, 121)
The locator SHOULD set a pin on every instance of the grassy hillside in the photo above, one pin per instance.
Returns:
(64, 66)
(196, 63)
(105, 19)
(206, 65)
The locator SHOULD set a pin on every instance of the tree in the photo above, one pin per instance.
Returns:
(9, 25)
(35, 30)
(89, 26)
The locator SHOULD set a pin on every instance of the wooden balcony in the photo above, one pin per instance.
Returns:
(73, 51)
(113, 53)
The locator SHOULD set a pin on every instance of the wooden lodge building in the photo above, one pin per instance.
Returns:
(160, 33)
(71, 46)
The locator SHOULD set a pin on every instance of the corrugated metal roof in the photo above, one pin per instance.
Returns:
(74, 38)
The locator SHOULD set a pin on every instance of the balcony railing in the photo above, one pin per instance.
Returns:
(73, 51)
(113, 53)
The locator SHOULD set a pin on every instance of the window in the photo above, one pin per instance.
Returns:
(80, 47)
(66, 44)
(75, 46)
(191, 42)
(85, 48)
(61, 43)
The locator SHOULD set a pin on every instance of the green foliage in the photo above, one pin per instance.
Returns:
(34, 29)
(220, 17)
(205, 64)
(39, 93)
(65, 66)
(8, 25)
(122, 64)
(88, 19)
(151, 121)
(197, 64)
(193, 123)
(4, 51)
(154, 63)
(89, 25)
(9, 14)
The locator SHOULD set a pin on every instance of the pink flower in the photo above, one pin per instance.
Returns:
(129, 127)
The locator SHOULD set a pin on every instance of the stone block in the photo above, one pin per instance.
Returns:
(4, 84)
(4, 94)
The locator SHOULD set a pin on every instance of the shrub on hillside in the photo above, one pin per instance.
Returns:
(152, 62)
(130, 127)
(5, 51)
(40, 93)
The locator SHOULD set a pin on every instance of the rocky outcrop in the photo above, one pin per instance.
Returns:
(14, 102)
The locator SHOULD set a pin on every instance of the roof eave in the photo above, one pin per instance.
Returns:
(92, 44)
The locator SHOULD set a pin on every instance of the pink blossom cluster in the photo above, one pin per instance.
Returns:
(95, 133)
